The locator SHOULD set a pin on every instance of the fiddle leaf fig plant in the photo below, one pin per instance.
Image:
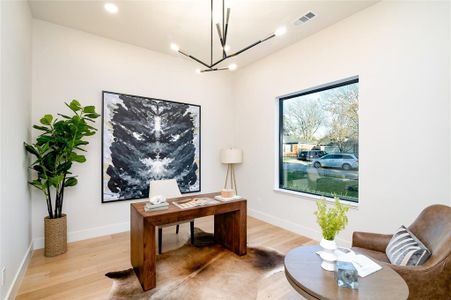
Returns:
(58, 146)
(331, 220)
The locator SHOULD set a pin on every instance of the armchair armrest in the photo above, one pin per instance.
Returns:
(371, 241)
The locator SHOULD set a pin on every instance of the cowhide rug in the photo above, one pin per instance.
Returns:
(210, 272)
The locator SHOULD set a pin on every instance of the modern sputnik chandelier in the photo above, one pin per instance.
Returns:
(222, 32)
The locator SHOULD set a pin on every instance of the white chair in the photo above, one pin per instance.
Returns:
(169, 189)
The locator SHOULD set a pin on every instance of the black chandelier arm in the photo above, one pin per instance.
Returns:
(194, 58)
(223, 9)
(211, 33)
(218, 28)
(213, 69)
(224, 30)
(221, 40)
(242, 50)
(269, 37)
(226, 27)
(211, 66)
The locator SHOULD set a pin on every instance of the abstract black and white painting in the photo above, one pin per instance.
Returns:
(148, 139)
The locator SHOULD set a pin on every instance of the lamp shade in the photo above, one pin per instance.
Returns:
(167, 188)
(231, 156)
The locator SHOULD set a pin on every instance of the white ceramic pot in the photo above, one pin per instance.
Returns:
(328, 254)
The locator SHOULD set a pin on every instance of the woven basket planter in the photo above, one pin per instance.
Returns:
(55, 236)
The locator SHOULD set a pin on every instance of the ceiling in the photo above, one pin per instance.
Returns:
(155, 24)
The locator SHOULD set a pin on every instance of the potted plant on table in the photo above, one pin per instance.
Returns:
(331, 221)
(56, 148)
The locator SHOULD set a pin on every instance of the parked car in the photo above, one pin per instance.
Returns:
(310, 155)
(345, 161)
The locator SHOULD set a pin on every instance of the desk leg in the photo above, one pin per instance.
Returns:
(142, 250)
(231, 230)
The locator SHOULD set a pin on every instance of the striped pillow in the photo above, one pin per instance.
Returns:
(404, 249)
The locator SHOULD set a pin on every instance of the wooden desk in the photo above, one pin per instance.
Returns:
(304, 273)
(230, 226)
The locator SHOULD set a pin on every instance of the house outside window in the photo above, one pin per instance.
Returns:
(319, 141)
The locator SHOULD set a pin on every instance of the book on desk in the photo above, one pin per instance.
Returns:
(194, 202)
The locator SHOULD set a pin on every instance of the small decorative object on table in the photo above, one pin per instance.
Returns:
(331, 221)
(227, 193)
(155, 203)
(346, 275)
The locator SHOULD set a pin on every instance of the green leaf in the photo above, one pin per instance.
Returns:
(44, 148)
(56, 180)
(89, 109)
(43, 128)
(64, 167)
(80, 142)
(44, 139)
(38, 168)
(38, 184)
(76, 120)
(77, 158)
(64, 116)
(71, 181)
(92, 115)
(46, 120)
(48, 160)
(32, 149)
(74, 105)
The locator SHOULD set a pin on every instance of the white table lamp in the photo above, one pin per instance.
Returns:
(231, 156)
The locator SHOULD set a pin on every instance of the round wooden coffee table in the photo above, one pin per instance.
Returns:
(303, 271)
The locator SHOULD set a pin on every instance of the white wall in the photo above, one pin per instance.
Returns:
(401, 52)
(70, 64)
(15, 110)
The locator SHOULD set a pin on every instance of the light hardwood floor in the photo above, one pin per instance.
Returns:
(80, 272)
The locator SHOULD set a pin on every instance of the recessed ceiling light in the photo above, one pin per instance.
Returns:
(233, 67)
(226, 48)
(111, 8)
(280, 31)
(175, 47)
(198, 71)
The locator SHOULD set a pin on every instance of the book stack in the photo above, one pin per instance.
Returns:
(154, 207)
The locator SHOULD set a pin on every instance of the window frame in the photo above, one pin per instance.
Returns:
(278, 186)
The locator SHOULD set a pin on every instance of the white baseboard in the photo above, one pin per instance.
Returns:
(15, 284)
(79, 235)
(291, 226)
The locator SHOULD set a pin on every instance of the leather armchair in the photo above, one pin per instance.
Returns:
(432, 280)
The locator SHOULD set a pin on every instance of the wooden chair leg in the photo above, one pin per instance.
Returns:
(177, 228)
(160, 239)
(191, 229)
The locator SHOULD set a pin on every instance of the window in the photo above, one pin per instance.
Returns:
(323, 123)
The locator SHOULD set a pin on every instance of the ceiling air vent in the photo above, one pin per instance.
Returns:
(305, 18)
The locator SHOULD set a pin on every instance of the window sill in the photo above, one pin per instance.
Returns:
(315, 197)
